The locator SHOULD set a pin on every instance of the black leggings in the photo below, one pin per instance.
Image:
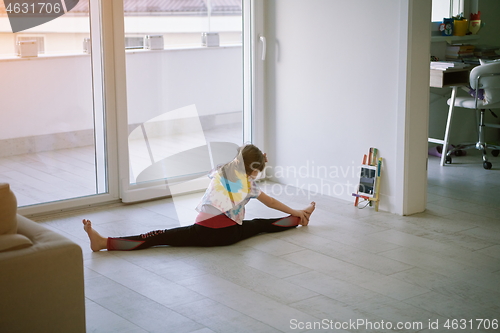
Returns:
(198, 235)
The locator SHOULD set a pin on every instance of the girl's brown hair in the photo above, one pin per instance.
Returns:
(252, 159)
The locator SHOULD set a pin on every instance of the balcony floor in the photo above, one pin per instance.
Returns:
(70, 173)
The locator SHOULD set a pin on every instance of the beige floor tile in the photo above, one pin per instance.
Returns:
(348, 264)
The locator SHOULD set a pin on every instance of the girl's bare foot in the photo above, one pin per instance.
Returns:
(97, 242)
(310, 208)
(308, 211)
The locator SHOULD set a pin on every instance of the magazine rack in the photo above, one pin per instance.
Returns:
(369, 180)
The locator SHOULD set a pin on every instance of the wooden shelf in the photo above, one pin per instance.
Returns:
(454, 39)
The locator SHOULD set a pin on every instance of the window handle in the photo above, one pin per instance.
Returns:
(263, 41)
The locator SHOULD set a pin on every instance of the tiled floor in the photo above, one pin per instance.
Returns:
(349, 265)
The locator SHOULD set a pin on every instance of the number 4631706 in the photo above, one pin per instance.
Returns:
(469, 324)
(33, 8)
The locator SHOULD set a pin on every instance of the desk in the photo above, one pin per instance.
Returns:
(449, 78)
(453, 78)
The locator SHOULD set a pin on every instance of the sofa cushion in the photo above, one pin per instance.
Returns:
(42, 286)
(8, 210)
(14, 242)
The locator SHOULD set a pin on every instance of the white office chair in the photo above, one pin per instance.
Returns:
(486, 77)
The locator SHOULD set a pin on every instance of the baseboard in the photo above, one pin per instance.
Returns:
(47, 142)
(184, 125)
(82, 138)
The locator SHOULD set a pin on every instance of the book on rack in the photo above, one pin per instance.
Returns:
(487, 54)
(457, 48)
(459, 51)
(372, 156)
(487, 51)
(459, 56)
(367, 187)
(444, 65)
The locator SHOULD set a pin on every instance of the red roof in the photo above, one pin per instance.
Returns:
(169, 7)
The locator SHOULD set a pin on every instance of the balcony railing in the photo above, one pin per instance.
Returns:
(47, 127)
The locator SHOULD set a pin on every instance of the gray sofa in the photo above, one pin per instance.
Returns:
(41, 275)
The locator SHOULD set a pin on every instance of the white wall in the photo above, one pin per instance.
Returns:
(48, 95)
(335, 72)
(490, 10)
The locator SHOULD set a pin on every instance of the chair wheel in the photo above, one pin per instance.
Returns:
(459, 152)
(495, 152)
(447, 160)
(487, 165)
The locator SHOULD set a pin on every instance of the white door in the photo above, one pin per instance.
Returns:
(188, 94)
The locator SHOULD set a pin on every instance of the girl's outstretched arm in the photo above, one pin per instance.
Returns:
(278, 205)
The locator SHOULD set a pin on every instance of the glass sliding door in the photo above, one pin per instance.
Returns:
(52, 128)
(184, 73)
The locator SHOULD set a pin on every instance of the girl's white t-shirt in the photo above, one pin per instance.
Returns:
(228, 197)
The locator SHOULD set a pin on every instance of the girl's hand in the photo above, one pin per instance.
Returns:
(303, 215)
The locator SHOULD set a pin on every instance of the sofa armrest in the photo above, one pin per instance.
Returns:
(42, 285)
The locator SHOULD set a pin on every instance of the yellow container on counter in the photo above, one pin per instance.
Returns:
(460, 27)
